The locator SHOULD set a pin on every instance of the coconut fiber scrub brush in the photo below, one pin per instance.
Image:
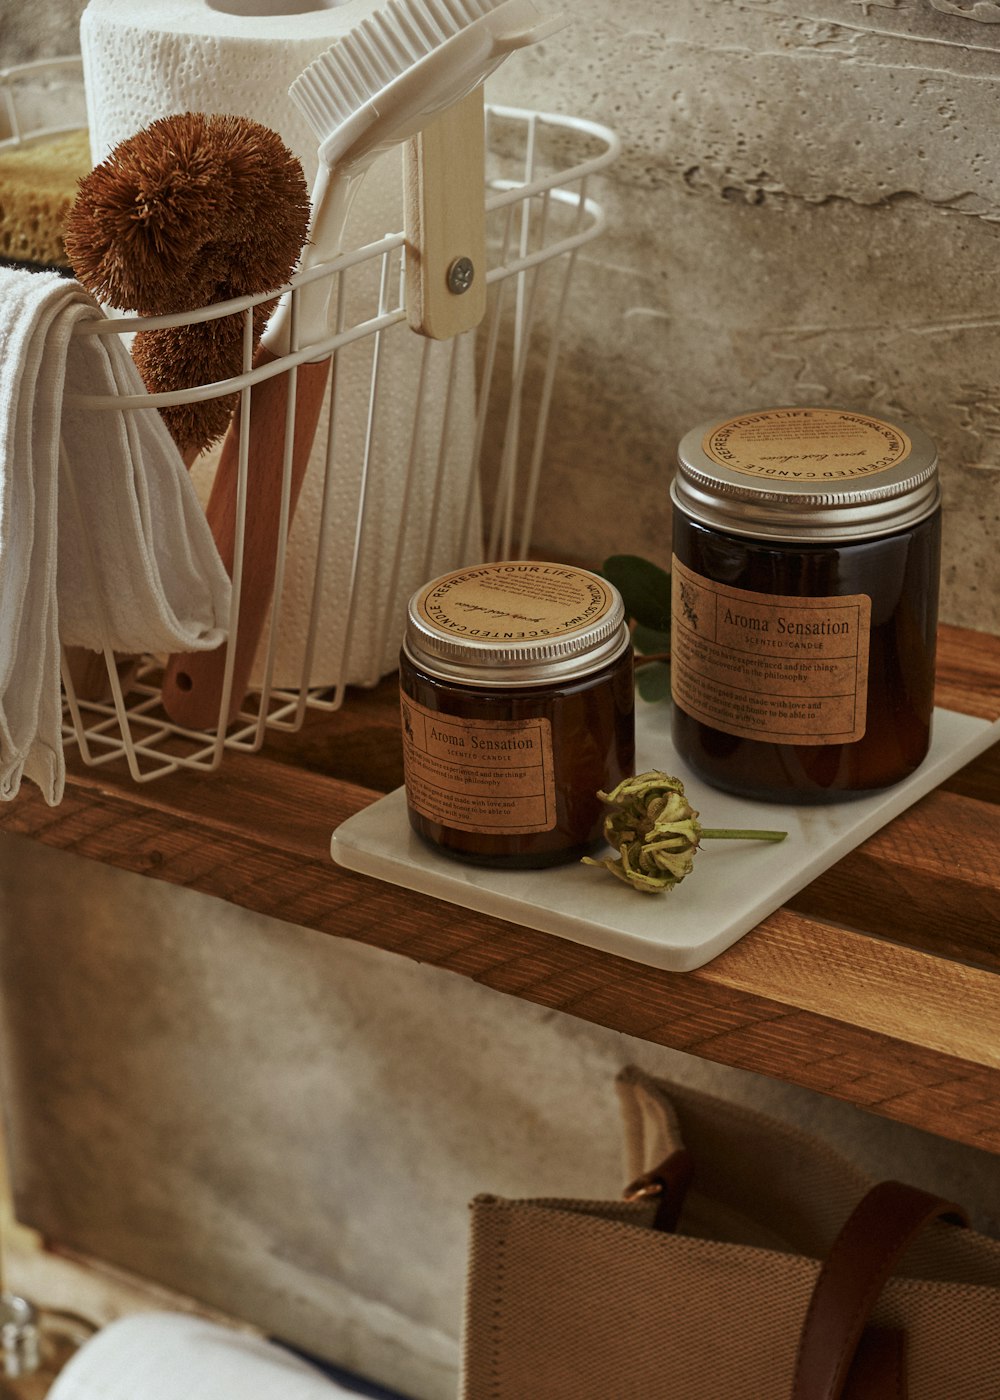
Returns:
(191, 211)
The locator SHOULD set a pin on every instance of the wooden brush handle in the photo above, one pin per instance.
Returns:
(445, 220)
(89, 671)
(192, 684)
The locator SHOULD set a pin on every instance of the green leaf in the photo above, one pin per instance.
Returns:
(653, 682)
(650, 643)
(645, 588)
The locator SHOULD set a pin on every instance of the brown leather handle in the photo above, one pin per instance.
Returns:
(668, 1183)
(192, 685)
(860, 1261)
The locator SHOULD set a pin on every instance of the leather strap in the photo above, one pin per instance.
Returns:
(859, 1263)
(669, 1183)
(878, 1371)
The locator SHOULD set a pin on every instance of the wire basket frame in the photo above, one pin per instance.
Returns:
(539, 215)
(41, 99)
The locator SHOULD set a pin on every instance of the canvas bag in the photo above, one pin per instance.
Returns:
(585, 1300)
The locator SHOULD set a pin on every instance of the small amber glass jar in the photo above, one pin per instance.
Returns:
(517, 704)
(805, 571)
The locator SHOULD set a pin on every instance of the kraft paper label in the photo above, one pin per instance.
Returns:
(806, 444)
(480, 775)
(784, 670)
(512, 602)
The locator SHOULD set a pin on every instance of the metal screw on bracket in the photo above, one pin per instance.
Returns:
(461, 275)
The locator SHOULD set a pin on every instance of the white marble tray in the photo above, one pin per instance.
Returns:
(734, 885)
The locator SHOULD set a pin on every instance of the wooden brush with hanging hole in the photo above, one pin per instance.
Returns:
(191, 211)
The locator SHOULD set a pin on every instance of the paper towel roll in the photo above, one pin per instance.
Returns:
(170, 1356)
(240, 56)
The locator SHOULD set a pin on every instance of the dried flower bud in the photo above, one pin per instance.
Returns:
(656, 832)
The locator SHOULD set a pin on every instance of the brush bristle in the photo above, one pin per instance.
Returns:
(194, 209)
(375, 53)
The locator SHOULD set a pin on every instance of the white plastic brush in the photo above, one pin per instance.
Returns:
(379, 85)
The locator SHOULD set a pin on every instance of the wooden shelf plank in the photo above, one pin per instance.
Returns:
(968, 672)
(884, 987)
(899, 1016)
(931, 880)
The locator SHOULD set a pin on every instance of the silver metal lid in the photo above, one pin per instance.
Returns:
(516, 622)
(807, 474)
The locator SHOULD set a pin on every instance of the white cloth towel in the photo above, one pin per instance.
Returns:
(169, 1356)
(135, 566)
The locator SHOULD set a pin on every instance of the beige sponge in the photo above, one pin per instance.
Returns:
(38, 182)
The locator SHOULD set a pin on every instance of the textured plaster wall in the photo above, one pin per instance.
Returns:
(806, 211)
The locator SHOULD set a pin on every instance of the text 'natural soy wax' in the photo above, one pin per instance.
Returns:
(516, 690)
(805, 584)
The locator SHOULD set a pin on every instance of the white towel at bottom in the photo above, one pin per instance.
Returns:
(170, 1356)
(102, 538)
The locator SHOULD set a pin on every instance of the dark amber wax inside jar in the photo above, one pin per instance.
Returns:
(516, 692)
(805, 585)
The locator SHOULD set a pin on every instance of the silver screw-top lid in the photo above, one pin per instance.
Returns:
(807, 474)
(516, 622)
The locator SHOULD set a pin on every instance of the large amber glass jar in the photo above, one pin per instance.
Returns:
(517, 705)
(805, 584)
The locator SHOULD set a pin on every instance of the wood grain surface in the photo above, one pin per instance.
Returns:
(445, 219)
(193, 684)
(878, 984)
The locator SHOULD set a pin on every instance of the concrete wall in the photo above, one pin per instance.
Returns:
(805, 212)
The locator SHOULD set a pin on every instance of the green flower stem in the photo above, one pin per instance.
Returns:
(721, 833)
(656, 833)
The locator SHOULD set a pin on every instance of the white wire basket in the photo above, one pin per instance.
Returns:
(540, 213)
